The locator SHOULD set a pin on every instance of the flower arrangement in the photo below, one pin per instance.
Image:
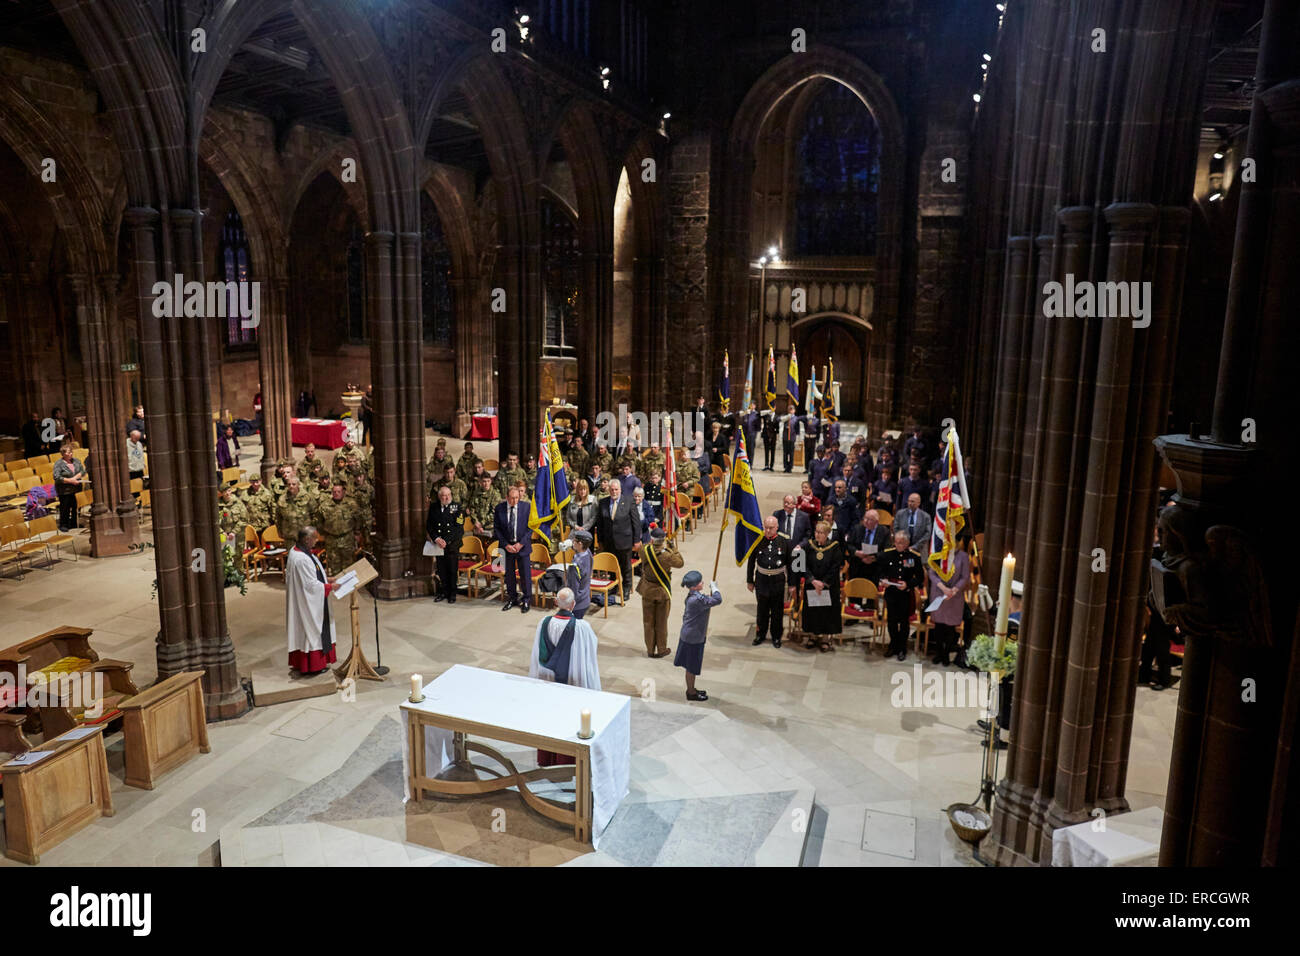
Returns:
(231, 568)
(983, 654)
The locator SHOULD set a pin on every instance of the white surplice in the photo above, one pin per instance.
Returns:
(583, 671)
(306, 602)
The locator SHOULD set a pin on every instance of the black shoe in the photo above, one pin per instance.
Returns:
(523, 609)
(998, 744)
(983, 725)
(902, 655)
(508, 605)
(1156, 686)
(759, 640)
(437, 598)
(937, 660)
(776, 642)
(451, 600)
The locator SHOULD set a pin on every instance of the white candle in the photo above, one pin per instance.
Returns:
(417, 686)
(1004, 600)
(586, 724)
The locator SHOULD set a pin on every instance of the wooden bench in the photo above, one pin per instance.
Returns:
(164, 726)
(64, 651)
(49, 800)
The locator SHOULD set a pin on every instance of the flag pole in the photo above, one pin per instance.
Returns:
(726, 501)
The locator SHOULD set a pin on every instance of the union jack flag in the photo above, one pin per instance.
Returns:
(949, 511)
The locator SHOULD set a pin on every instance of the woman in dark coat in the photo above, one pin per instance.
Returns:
(825, 562)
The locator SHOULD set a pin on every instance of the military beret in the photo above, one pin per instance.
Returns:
(657, 532)
(691, 578)
(584, 536)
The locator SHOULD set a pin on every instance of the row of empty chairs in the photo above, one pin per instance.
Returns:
(24, 540)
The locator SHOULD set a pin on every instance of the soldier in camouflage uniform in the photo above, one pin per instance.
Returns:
(629, 458)
(434, 468)
(459, 495)
(363, 497)
(259, 505)
(471, 483)
(508, 474)
(483, 505)
(293, 511)
(337, 521)
(280, 480)
(688, 473)
(602, 457)
(348, 463)
(650, 462)
(311, 468)
(578, 460)
(231, 518)
(465, 467)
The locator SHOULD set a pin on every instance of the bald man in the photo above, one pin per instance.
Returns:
(766, 577)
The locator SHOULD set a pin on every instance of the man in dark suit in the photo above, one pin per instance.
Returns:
(445, 526)
(822, 474)
(916, 523)
(867, 534)
(812, 431)
(618, 525)
(510, 528)
(790, 429)
(915, 483)
(769, 439)
(792, 523)
(846, 511)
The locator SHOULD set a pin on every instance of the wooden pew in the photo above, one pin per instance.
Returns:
(51, 799)
(164, 726)
(63, 651)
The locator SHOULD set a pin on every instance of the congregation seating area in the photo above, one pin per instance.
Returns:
(60, 700)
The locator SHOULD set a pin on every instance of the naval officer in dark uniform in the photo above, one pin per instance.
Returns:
(768, 563)
(444, 525)
(901, 573)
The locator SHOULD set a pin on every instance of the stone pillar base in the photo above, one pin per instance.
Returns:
(113, 534)
(223, 694)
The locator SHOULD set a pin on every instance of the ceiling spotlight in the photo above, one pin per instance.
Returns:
(1218, 154)
(772, 251)
(604, 71)
(668, 116)
(523, 18)
(976, 97)
(987, 58)
(984, 67)
(762, 260)
(1216, 196)
(1002, 7)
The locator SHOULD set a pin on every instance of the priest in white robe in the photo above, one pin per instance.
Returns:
(310, 625)
(564, 650)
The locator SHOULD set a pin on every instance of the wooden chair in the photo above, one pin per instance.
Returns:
(861, 591)
(886, 519)
(539, 560)
(12, 534)
(274, 549)
(20, 473)
(84, 501)
(252, 553)
(146, 504)
(717, 479)
(726, 461)
(46, 476)
(56, 538)
(689, 511)
(606, 563)
(491, 464)
(10, 516)
(8, 489)
(699, 501)
(233, 473)
(81, 454)
(792, 607)
(489, 572)
(471, 560)
(137, 485)
(27, 484)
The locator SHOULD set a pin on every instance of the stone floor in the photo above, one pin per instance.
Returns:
(798, 756)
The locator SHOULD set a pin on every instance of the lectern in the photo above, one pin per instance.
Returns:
(356, 666)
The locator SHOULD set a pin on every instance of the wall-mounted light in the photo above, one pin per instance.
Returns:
(987, 58)
(976, 97)
(522, 20)
(1002, 7)
(1218, 154)
(772, 254)
(663, 123)
(604, 78)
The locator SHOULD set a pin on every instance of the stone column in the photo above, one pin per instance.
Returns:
(596, 353)
(650, 354)
(174, 359)
(275, 374)
(114, 521)
(519, 347)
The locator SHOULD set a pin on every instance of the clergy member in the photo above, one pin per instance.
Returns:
(564, 651)
(307, 588)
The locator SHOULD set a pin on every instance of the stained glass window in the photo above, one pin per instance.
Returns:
(435, 277)
(233, 266)
(838, 176)
(561, 266)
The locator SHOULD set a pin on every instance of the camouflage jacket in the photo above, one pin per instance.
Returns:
(465, 466)
(483, 505)
(336, 518)
(260, 508)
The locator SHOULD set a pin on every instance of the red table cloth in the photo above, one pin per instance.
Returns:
(321, 432)
(484, 427)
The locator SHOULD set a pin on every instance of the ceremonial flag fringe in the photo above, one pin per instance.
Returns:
(671, 514)
(551, 491)
(749, 386)
(832, 413)
(742, 502)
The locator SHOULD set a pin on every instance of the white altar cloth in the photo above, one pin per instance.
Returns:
(524, 705)
(1130, 839)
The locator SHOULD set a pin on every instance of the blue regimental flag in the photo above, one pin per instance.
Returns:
(551, 492)
(724, 392)
(749, 386)
(742, 502)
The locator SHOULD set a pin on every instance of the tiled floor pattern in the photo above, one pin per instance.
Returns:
(310, 778)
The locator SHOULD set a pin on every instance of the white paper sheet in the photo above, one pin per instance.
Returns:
(870, 548)
(431, 550)
(934, 605)
(819, 599)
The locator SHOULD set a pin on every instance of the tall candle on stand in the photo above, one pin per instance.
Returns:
(1004, 602)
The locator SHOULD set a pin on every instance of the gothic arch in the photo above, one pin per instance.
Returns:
(267, 238)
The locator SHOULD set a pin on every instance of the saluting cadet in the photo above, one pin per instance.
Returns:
(765, 575)
(695, 630)
(655, 586)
